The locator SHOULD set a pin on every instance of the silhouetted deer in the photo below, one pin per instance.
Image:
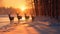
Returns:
(11, 18)
(26, 17)
(33, 18)
(19, 17)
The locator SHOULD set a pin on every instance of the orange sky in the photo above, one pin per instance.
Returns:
(13, 3)
(21, 4)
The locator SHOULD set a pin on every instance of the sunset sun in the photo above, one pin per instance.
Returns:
(23, 8)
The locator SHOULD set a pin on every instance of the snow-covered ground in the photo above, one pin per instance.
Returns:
(41, 25)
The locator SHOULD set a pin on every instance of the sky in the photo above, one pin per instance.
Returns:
(21, 4)
(12, 3)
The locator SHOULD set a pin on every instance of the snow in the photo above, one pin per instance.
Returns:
(41, 25)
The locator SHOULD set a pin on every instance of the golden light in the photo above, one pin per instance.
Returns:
(23, 8)
(23, 18)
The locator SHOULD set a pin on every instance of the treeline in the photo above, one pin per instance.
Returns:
(5, 11)
(49, 8)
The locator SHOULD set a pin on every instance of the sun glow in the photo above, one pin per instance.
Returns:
(23, 8)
